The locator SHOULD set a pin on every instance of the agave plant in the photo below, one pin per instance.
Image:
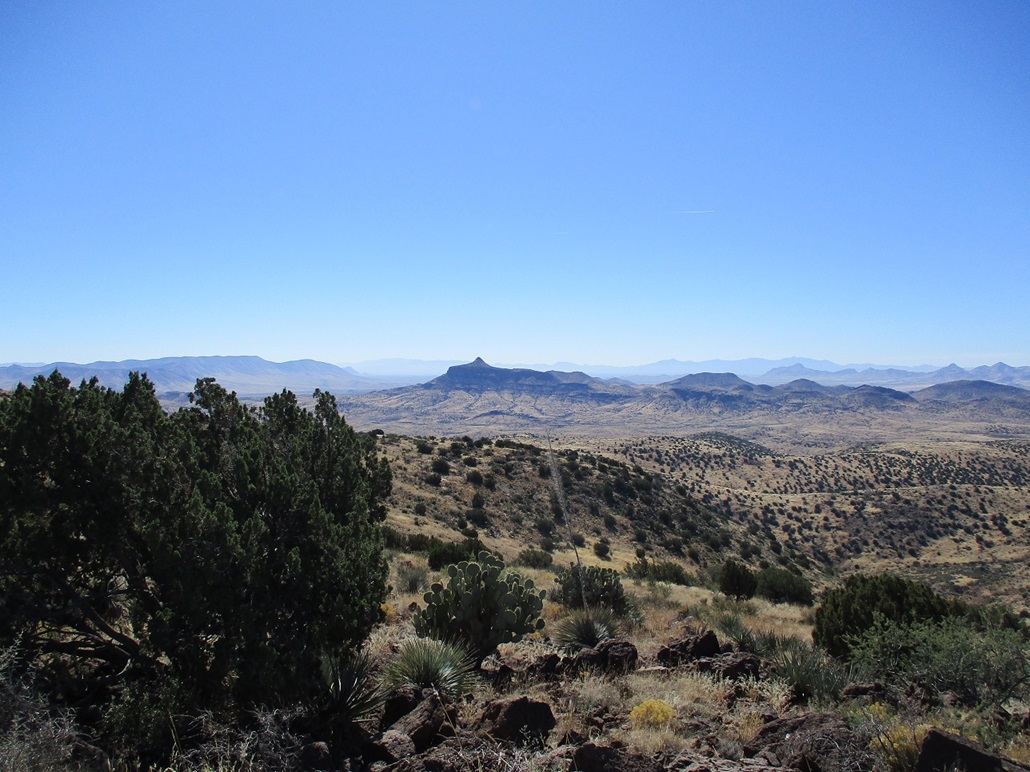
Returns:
(431, 664)
(586, 628)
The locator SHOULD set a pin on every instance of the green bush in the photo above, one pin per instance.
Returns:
(431, 664)
(443, 553)
(602, 549)
(854, 607)
(980, 667)
(482, 606)
(660, 571)
(595, 587)
(782, 586)
(410, 577)
(737, 581)
(532, 558)
(210, 558)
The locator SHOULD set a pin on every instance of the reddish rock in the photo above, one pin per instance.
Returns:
(734, 666)
(518, 719)
(391, 746)
(689, 649)
(429, 722)
(812, 741)
(404, 700)
(942, 751)
(602, 758)
(611, 657)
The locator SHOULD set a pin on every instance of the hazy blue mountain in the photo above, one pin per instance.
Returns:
(654, 372)
(412, 370)
(247, 375)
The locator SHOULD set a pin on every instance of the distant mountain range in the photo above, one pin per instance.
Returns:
(249, 376)
(900, 378)
(805, 408)
(416, 370)
(478, 398)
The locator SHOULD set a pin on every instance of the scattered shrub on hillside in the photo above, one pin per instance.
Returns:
(979, 667)
(737, 581)
(443, 553)
(533, 558)
(440, 466)
(419, 542)
(592, 586)
(782, 586)
(410, 577)
(854, 607)
(659, 571)
(602, 549)
(394, 539)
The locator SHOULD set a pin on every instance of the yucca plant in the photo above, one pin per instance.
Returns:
(353, 689)
(739, 634)
(431, 664)
(812, 676)
(586, 628)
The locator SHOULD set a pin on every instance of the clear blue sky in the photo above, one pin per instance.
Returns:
(596, 182)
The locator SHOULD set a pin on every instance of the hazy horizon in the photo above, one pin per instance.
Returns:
(383, 365)
(526, 183)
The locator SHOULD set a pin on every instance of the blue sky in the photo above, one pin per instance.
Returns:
(527, 182)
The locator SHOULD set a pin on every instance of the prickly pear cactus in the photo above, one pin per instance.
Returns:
(481, 606)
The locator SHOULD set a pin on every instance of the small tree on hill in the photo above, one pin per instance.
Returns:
(736, 580)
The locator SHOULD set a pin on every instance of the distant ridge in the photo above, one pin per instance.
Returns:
(773, 372)
(478, 375)
(477, 398)
(909, 380)
(965, 391)
(250, 376)
(253, 377)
